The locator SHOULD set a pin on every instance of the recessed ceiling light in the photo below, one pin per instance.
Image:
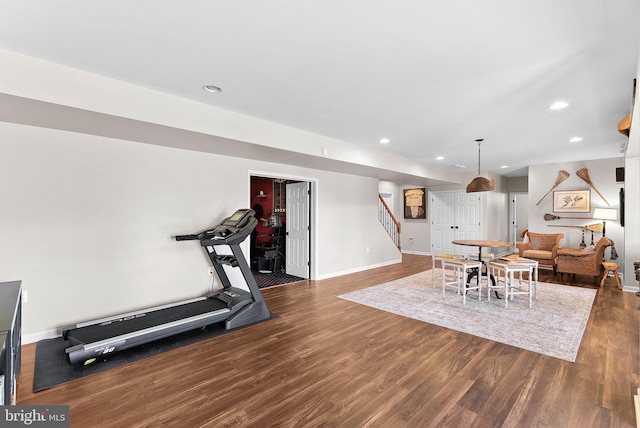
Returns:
(211, 88)
(440, 158)
(558, 105)
(575, 139)
(458, 165)
(384, 141)
(504, 166)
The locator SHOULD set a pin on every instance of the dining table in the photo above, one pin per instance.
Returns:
(481, 243)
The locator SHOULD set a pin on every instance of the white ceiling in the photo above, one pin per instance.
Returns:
(430, 76)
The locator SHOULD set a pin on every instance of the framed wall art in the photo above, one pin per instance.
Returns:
(572, 201)
(415, 203)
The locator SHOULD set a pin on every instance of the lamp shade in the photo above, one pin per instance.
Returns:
(605, 213)
(481, 184)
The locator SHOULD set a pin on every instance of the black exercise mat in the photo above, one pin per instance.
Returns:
(52, 367)
(265, 280)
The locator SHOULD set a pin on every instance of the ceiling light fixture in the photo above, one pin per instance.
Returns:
(212, 89)
(480, 184)
(575, 139)
(440, 158)
(559, 105)
(385, 141)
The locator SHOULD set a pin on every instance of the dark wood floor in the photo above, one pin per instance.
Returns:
(329, 362)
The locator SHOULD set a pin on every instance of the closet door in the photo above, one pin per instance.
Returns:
(467, 217)
(442, 214)
(454, 215)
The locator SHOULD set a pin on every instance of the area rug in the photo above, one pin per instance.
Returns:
(553, 326)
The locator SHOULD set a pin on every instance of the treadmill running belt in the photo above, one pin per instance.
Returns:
(97, 332)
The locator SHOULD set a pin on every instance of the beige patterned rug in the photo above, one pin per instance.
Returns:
(553, 326)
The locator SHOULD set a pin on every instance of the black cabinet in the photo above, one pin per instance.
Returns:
(10, 339)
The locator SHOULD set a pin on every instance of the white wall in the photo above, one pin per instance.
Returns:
(87, 221)
(632, 194)
(603, 176)
(495, 214)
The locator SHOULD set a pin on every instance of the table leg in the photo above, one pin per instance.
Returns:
(493, 280)
(475, 274)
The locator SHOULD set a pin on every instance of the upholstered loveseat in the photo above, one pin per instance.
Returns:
(583, 261)
(540, 247)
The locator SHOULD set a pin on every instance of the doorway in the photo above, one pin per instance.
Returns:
(281, 245)
(518, 215)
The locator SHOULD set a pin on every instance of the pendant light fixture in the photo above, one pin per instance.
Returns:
(480, 184)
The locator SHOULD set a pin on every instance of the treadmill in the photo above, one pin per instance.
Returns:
(234, 306)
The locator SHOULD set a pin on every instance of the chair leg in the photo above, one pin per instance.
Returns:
(433, 274)
(456, 275)
(464, 286)
(444, 284)
(508, 283)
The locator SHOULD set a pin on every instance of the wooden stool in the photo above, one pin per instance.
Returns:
(460, 275)
(611, 267)
(515, 258)
(436, 261)
(503, 271)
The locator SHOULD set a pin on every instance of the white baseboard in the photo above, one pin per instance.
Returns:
(35, 337)
(420, 253)
(360, 269)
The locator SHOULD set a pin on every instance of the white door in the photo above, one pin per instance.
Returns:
(442, 222)
(455, 215)
(297, 242)
(518, 215)
(467, 215)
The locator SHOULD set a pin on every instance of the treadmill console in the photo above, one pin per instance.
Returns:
(239, 218)
(231, 225)
(235, 227)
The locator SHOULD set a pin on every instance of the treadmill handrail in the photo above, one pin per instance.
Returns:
(186, 237)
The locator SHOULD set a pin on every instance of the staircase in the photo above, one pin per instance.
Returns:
(387, 219)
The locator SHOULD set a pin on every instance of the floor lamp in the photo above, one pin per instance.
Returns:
(605, 214)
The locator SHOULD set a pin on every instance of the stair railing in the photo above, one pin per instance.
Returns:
(388, 221)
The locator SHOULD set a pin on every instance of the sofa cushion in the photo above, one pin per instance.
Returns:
(537, 254)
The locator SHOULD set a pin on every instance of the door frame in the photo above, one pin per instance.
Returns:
(313, 210)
